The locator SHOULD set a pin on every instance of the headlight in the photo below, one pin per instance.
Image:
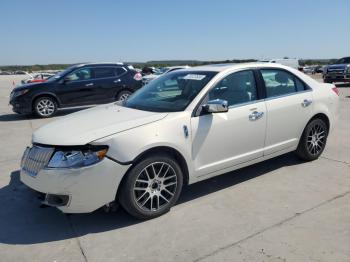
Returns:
(76, 158)
(19, 93)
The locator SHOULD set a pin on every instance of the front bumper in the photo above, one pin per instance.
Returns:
(337, 77)
(86, 189)
(21, 105)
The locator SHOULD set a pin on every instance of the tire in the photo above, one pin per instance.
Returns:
(151, 187)
(123, 95)
(313, 140)
(45, 107)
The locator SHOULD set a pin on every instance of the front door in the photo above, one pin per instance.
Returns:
(78, 88)
(223, 140)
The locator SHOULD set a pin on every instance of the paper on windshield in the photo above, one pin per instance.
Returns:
(194, 77)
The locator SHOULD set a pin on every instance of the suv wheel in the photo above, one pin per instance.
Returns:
(313, 140)
(45, 107)
(151, 187)
(123, 95)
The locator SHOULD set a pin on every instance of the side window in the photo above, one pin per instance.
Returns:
(119, 71)
(102, 72)
(300, 85)
(80, 74)
(236, 88)
(280, 82)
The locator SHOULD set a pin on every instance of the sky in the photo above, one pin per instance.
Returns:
(67, 31)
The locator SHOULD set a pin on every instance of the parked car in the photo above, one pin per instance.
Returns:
(148, 78)
(37, 78)
(184, 127)
(5, 73)
(337, 72)
(79, 85)
(291, 62)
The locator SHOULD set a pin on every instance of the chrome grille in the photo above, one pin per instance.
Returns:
(335, 70)
(35, 158)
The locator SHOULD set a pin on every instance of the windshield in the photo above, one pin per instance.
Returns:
(171, 92)
(345, 60)
(62, 73)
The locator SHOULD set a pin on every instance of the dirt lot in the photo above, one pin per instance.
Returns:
(279, 210)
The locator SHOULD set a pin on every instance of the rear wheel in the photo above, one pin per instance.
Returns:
(152, 187)
(123, 95)
(313, 140)
(45, 107)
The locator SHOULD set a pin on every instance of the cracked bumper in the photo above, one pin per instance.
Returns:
(88, 188)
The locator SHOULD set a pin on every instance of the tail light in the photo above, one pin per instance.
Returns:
(336, 90)
(138, 76)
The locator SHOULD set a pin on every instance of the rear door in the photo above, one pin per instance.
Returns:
(289, 108)
(106, 83)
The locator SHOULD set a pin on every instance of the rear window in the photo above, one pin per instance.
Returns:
(119, 71)
(102, 72)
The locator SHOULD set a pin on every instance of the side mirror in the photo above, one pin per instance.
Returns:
(66, 80)
(215, 106)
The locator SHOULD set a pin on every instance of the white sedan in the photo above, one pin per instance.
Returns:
(184, 127)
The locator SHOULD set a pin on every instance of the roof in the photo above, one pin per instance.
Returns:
(100, 64)
(223, 67)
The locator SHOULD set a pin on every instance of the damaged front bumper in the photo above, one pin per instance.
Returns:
(79, 190)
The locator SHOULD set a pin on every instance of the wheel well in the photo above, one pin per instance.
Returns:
(124, 89)
(156, 150)
(45, 95)
(171, 152)
(323, 117)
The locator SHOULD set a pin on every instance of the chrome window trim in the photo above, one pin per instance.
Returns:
(246, 103)
(116, 76)
(286, 95)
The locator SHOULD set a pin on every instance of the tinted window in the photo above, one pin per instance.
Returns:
(171, 92)
(236, 88)
(347, 60)
(279, 82)
(102, 72)
(80, 74)
(119, 71)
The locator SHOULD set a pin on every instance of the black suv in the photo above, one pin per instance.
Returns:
(78, 85)
(337, 72)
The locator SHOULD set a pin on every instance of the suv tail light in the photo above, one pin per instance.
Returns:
(336, 90)
(138, 76)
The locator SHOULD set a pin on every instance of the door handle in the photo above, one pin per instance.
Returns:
(306, 103)
(255, 115)
(90, 84)
(117, 81)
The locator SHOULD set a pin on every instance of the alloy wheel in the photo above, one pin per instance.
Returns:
(124, 97)
(155, 186)
(316, 139)
(45, 107)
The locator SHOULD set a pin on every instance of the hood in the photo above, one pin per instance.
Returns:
(28, 86)
(150, 77)
(88, 125)
(337, 67)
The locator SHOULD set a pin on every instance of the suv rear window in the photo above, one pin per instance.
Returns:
(119, 71)
(102, 72)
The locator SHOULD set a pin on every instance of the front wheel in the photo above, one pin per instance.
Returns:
(151, 187)
(45, 107)
(313, 141)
